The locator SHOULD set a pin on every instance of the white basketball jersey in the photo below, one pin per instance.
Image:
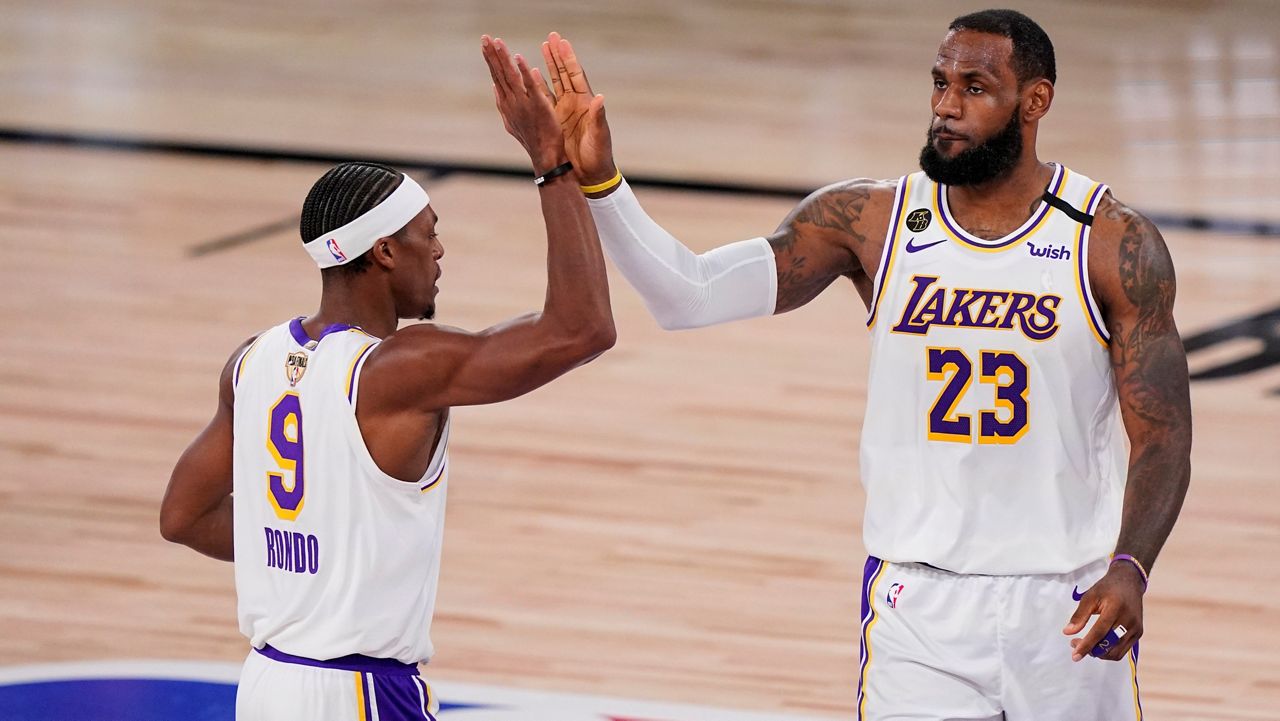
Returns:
(333, 556)
(992, 442)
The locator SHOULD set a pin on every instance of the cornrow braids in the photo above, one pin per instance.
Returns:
(341, 195)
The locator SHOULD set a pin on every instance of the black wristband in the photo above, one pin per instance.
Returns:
(553, 173)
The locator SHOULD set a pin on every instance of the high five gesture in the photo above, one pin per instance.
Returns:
(580, 113)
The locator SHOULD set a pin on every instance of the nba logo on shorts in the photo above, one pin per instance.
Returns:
(892, 596)
(337, 253)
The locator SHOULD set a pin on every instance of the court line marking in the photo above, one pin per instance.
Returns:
(439, 168)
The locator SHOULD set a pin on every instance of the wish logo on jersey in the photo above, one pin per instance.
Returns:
(1036, 316)
(1059, 253)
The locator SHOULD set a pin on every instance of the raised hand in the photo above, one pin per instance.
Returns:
(525, 104)
(580, 113)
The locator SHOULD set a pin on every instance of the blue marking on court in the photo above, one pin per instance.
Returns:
(135, 699)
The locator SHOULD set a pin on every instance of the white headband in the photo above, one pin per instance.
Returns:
(356, 238)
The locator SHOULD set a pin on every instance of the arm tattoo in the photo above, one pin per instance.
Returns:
(1150, 367)
(840, 209)
(837, 209)
(1147, 352)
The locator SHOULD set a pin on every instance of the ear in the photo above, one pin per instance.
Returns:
(383, 254)
(1036, 100)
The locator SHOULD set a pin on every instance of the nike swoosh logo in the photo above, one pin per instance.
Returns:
(1075, 594)
(917, 248)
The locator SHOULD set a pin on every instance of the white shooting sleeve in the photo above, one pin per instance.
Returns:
(682, 289)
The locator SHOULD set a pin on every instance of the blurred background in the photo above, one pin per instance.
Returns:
(679, 521)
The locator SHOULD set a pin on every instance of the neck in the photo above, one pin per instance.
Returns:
(354, 301)
(1023, 184)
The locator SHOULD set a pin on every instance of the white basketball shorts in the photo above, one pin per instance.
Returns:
(276, 686)
(939, 645)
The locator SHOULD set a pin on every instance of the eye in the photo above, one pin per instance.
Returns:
(939, 84)
(975, 90)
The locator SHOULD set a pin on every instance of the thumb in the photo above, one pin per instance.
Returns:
(1080, 617)
(595, 112)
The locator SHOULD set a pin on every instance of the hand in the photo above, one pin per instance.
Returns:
(525, 104)
(1116, 599)
(580, 113)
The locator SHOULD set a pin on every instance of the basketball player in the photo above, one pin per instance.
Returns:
(323, 473)
(1013, 306)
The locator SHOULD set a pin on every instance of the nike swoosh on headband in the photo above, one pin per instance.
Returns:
(917, 248)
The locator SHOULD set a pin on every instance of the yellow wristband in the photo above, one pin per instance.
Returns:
(617, 178)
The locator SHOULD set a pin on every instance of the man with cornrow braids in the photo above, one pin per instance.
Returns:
(324, 470)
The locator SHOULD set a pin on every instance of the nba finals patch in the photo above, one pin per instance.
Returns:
(166, 690)
(294, 366)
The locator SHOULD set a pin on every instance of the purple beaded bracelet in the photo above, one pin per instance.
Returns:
(1136, 563)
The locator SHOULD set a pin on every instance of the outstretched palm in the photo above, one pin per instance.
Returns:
(580, 113)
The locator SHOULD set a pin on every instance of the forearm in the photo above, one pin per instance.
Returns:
(682, 289)
(1159, 475)
(577, 285)
(211, 533)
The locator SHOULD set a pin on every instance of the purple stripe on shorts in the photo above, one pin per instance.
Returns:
(870, 571)
(401, 698)
(1137, 690)
(353, 662)
(365, 692)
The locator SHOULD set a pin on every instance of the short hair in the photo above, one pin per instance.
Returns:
(341, 195)
(1032, 50)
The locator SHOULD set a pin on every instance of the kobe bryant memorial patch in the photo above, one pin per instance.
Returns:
(919, 219)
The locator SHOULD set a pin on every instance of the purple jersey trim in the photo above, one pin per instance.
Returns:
(899, 205)
(1031, 225)
(1082, 250)
(300, 334)
(355, 373)
(353, 662)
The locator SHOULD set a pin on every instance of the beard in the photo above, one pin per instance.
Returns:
(976, 165)
(428, 313)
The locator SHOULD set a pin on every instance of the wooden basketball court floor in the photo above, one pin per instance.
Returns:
(680, 520)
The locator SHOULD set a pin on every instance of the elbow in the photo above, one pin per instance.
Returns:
(589, 343)
(599, 340)
(174, 527)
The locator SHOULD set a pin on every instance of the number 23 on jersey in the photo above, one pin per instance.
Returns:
(1005, 422)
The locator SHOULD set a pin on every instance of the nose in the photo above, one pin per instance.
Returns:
(438, 252)
(948, 105)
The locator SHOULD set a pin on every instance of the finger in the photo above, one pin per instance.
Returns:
(595, 112)
(540, 86)
(1121, 649)
(1084, 609)
(577, 76)
(557, 57)
(492, 59)
(1095, 634)
(551, 69)
(506, 69)
(527, 81)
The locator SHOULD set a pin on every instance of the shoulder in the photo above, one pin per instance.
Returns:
(226, 382)
(856, 209)
(837, 202)
(1128, 254)
(429, 348)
